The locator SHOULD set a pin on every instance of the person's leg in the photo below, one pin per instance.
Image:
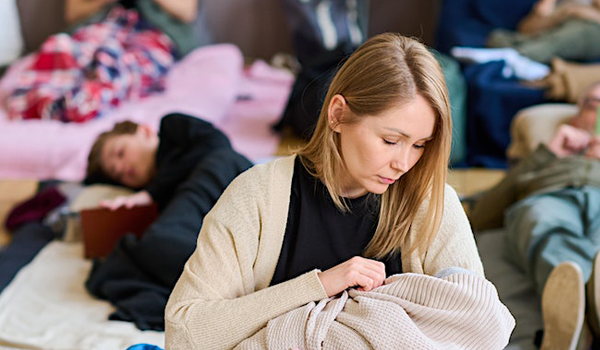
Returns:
(592, 217)
(545, 230)
(576, 40)
(131, 64)
(56, 68)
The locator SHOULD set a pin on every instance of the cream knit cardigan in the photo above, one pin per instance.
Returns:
(223, 294)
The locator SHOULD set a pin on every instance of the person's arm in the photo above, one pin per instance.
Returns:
(77, 10)
(137, 199)
(569, 141)
(488, 211)
(585, 12)
(184, 10)
(185, 134)
(223, 295)
(539, 19)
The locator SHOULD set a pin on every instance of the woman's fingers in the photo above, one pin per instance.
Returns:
(367, 274)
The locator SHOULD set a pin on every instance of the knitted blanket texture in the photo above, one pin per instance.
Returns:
(411, 311)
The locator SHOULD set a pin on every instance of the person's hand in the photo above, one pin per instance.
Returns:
(593, 150)
(137, 199)
(365, 273)
(544, 7)
(569, 141)
(580, 11)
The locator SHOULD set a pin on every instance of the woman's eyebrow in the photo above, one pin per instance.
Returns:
(404, 134)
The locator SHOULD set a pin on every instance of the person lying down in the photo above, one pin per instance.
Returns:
(184, 169)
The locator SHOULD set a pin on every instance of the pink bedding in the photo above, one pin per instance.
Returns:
(210, 83)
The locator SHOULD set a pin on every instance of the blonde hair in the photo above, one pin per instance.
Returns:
(389, 70)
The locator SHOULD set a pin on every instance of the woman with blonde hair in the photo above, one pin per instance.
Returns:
(365, 199)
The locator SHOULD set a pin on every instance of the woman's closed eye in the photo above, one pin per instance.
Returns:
(392, 143)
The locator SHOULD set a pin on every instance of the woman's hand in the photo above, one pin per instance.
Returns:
(569, 141)
(137, 199)
(365, 273)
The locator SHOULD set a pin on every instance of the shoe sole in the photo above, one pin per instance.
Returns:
(563, 307)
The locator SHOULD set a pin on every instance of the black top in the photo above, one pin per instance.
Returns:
(183, 141)
(128, 4)
(318, 235)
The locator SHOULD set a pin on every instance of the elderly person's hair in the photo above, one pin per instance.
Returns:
(95, 172)
(387, 71)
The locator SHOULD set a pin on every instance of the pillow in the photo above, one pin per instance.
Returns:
(11, 40)
(534, 125)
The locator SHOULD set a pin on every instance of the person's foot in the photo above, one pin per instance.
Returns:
(563, 307)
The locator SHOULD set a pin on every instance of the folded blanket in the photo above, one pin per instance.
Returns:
(411, 311)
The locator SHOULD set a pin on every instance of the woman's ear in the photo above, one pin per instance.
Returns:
(335, 112)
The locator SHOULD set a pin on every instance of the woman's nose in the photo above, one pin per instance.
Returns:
(401, 160)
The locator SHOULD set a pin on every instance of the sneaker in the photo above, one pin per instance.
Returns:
(563, 307)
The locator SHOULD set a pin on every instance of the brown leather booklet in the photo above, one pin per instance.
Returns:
(102, 228)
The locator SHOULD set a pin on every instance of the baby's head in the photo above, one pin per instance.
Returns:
(125, 155)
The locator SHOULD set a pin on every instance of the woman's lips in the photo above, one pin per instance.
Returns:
(386, 180)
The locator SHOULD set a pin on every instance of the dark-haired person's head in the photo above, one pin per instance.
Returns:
(125, 155)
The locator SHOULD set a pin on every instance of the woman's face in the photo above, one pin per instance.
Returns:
(131, 159)
(379, 149)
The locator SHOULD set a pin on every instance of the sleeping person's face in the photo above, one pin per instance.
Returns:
(131, 159)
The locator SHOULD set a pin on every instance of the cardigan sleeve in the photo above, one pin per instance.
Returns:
(454, 244)
(217, 301)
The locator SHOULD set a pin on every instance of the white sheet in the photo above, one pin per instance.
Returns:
(47, 307)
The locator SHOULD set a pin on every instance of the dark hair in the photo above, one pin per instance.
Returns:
(94, 172)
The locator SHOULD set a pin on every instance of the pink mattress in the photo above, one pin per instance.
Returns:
(210, 83)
